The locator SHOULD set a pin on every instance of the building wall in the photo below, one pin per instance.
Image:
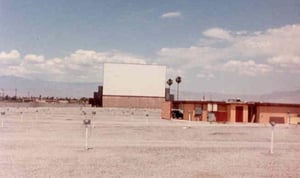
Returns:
(265, 112)
(188, 110)
(230, 113)
(166, 110)
(134, 80)
(262, 111)
(221, 114)
(295, 119)
(133, 102)
(204, 113)
(245, 113)
(231, 110)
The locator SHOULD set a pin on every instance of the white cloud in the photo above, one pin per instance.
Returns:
(16, 70)
(207, 76)
(288, 61)
(10, 57)
(173, 73)
(79, 66)
(89, 57)
(189, 57)
(218, 33)
(249, 68)
(171, 15)
(272, 42)
(34, 58)
(259, 51)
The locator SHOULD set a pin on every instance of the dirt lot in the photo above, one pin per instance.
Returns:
(50, 142)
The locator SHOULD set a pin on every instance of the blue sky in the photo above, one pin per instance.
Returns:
(229, 46)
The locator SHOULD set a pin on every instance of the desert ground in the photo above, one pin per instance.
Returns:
(50, 142)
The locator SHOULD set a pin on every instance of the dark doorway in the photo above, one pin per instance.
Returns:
(239, 114)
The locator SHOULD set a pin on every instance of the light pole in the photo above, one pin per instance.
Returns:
(178, 80)
(169, 82)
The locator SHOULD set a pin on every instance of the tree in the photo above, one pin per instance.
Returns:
(169, 82)
(178, 80)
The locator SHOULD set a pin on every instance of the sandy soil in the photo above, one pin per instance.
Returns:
(50, 142)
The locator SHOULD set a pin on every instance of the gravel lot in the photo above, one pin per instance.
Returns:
(50, 142)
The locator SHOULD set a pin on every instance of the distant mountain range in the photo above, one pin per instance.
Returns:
(276, 97)
(27, 87)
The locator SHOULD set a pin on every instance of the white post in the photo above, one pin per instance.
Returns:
(190, 118)
(93, 121)
(93, 117)
(272, 140)
(147, 116)
(86, 137)
(2, 119)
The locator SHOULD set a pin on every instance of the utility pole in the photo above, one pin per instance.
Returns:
(16, 92)
(2, 93)
(178, 80)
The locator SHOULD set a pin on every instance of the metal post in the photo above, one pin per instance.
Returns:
(86, 123)
(86, 137)
(21, 116)
(177, 91)
(93, 116)
(272, 137)
(2, 119)
(272, 140)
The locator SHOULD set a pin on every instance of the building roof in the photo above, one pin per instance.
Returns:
(236, 102)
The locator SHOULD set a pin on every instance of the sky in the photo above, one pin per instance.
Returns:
(232, 46)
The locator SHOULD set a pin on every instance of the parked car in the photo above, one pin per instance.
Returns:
(177, 114)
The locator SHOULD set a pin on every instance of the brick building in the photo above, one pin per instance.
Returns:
(233, 111)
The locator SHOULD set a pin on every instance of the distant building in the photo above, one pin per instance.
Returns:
(96, 101)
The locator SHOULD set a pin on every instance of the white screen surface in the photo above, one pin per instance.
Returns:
(134, 80)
